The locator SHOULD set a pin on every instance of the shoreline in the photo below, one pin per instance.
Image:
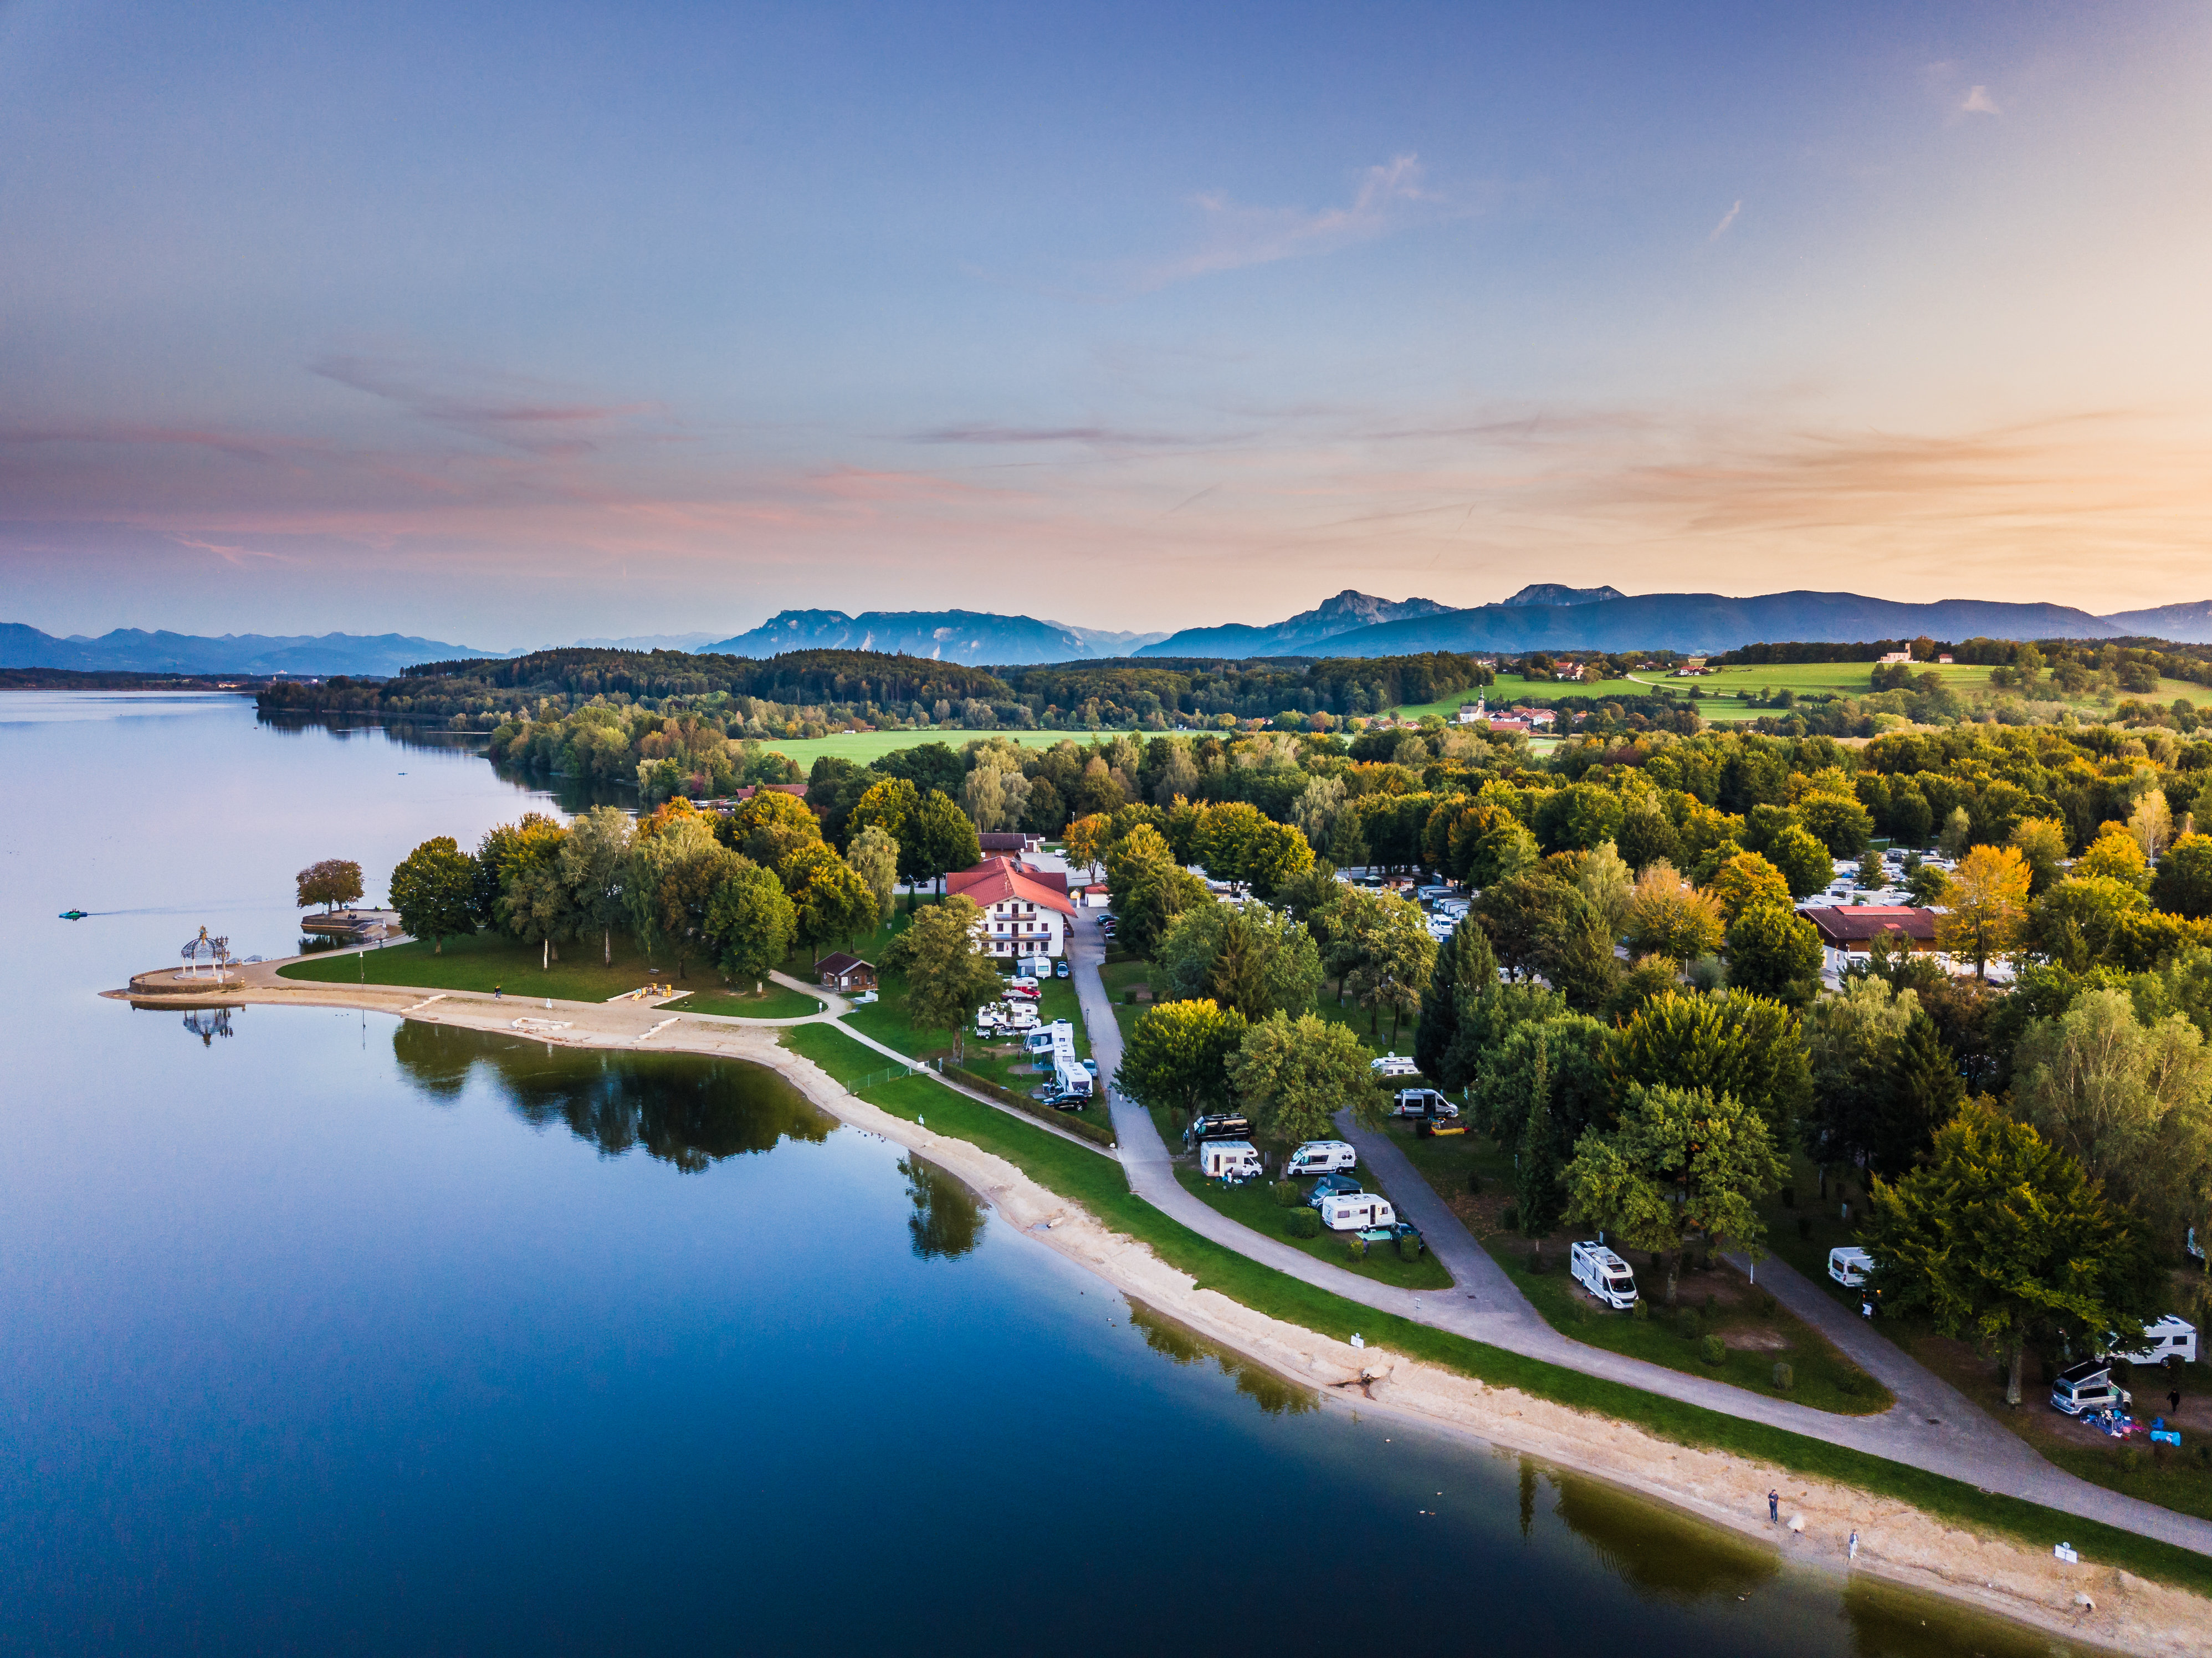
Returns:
(1899, 1545)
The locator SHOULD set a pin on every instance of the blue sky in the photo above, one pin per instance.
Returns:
(508, 325)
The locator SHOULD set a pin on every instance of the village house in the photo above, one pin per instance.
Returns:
(845, 972)
(1026, 910)
(1010, 841)
(1853, 928)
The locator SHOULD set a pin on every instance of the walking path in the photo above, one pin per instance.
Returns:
(1932, 1426)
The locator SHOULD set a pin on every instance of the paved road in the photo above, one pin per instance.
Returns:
(1932, 1426)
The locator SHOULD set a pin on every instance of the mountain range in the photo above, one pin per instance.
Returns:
(130, 650)
(970, 636)
(1351, 611)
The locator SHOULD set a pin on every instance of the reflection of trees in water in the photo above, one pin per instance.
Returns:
(1888, 1622)
(571, 794)
(209, 1022)
(1667, 1556)
(1184, 1345)
(947, 1222)
(687, 1111)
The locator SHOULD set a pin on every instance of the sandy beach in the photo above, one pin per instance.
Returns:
(2088, 1603)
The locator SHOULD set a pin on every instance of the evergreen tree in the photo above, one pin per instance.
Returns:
(1925, 1094)
(1538, 1188)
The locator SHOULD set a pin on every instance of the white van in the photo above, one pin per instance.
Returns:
(1422, 1103)
(2086, 1389)
(1849, 1265)
(1355, 1212)
(1321, 1158)
(1228, 1160)
(2169, 1338)
(1603, 1273)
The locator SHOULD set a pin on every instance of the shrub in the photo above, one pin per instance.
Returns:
(2131, 1459)
(1688, 1324)
(1303, 1223)
(1785, 1377)
(1582, 1311)
(1640, 1308)
(1510, 1220)
(1409, 1248)
(1713, 1350)
(1288, 1194)
(1852, 1385)
(1711, 1302)
(1356, 1247)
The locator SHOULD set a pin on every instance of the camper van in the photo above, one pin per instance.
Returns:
(1603, 1273)
(1228, 1160)
(1355, 1212)
(2169, 1338)
(2087, 1387)
(1070, 1080)
(1422, 1103)
(1321, 1158)
(1221, 1126)
(1849, 1265)
(1394, 1065)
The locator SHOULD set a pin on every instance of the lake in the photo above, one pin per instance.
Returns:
(325, 1332)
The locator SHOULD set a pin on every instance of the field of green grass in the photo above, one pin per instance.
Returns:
(862, 747)
(1096, 1182)
(776, 1002)
(485, 961)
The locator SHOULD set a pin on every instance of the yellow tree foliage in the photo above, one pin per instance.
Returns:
(1988, 905)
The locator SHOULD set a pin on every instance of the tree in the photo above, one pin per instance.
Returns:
(874, 857)
(1746, 1047)
(2117, 853)
(1246, 957)
(538, 907)
(831, 902)
(1575, 949)
(594, 863)
(1464, 959)
(433, 890)
(948, 971)
(2131, 1102)
(890, 806)
(1802, 860)
(1958, 833)
(1275, 857)
(1853, 1042)
(671, 880)
(1502, 851)
(508, 848)
(1927, 1093)
(1988, 901)
(1667, 916)
(1177, 1056)
(331, 882)
(1774, 951)
(2042, 843)
(1087, 839)
(1540, 1187)
(1348, 842)
(1293, 1076)
(1396, 951)
(1838, 821)
(2151, 823)
(1683, 1162)
(1148, 887)
(1745, 880)
(2184, 882)
(1224, 836)
(751, 923)
(944, 839)
(1566, 1053)
(2082, 919)
(768, 828)
(1999, 1232)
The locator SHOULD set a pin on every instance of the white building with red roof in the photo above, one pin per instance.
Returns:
(1026, 911)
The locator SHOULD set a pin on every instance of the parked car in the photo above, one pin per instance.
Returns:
(1392, 1233)
(1603, 1273)
(1849, 1264)
(1422, 1103)
(2169, 1338)
(1331, 1186)
(1355, 1212)
(1060, 968)
(2088, 1388)
(1320, 1157)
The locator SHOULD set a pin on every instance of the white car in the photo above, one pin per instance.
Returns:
(1849, 1265)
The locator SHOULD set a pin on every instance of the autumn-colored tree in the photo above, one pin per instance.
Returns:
(2042, 843)
(1744, 880)
(329, 882)
(1988, 901)
(1667, 916)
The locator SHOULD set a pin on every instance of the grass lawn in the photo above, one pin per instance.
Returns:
(1096, 1183)
(485, 960)
(1756, 1329)
(1253, 1205)
(864, 747)
(776, 1002)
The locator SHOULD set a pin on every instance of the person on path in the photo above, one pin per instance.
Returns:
(1774, 1508)
(2173, 1402)
(496, 996)
(1853, 1553)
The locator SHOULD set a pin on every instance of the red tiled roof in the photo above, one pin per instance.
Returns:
(842, 961)
(1000, 880)
(1842, 925)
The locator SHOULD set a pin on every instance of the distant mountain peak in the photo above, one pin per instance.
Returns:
(1552, 593)
(1297, 635)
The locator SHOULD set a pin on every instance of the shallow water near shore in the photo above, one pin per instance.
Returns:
(333, 1332)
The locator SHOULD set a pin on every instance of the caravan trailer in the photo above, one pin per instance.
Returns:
(1355, 1212)
(1045, 1038)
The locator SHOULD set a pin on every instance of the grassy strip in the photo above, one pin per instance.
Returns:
(1098, 1184)
(1099, 1134)
(485, 961)
(776, 1002)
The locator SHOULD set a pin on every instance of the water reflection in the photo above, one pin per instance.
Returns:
(209, 1022)
(571, 794)
(683, 1109)
(947, 1221)
(1658, 1561)
(1184, 1345)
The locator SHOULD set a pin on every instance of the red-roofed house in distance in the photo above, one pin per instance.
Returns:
(1026, 911)
(1853, 928)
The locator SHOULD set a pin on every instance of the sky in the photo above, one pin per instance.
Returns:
(508, 325)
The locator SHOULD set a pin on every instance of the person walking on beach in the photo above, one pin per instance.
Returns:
(496, 996)
(1774, 1508)
(1853, 1552)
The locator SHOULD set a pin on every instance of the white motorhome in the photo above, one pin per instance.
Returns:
(1045, 1038)
(1321, 1158)
(1070, 1077)
(1394, 1065)
(1422, 1103)
(2169, 1338)
(1603, 1273)
(1228, 1160)
(1849, 1265)
(1355, 1212)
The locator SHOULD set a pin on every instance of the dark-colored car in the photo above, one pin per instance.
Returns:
(1391, 1234)
(1329, 1186)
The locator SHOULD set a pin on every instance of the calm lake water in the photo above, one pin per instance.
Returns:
(323, 1333)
